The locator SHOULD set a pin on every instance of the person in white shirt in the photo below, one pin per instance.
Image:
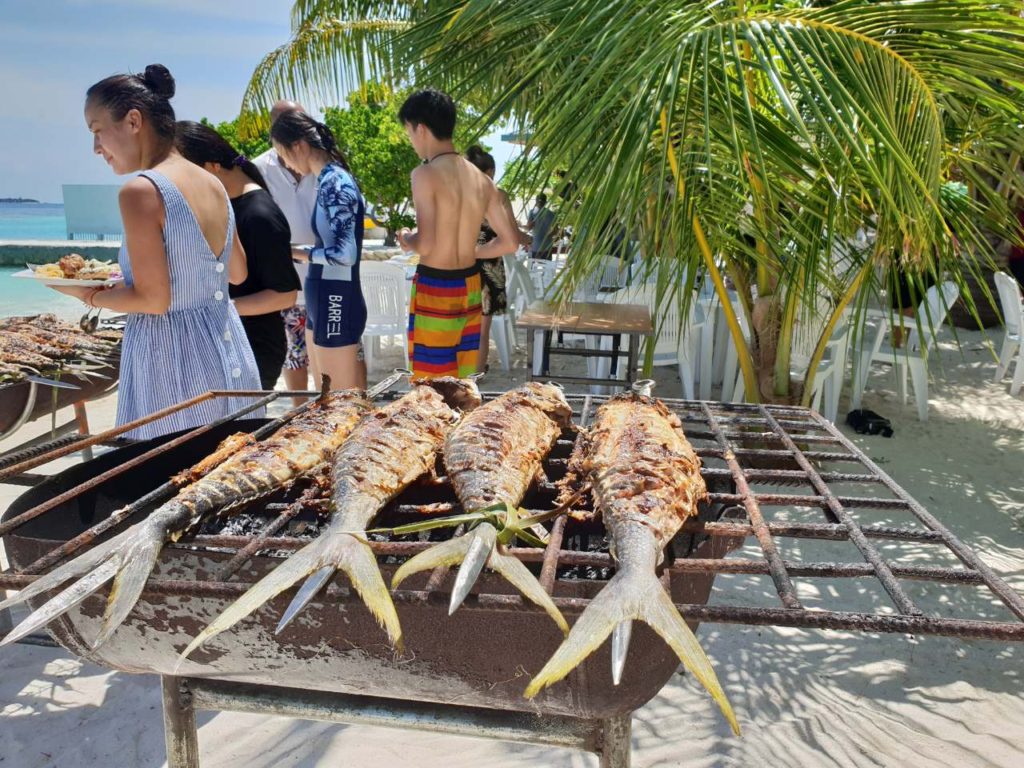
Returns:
(295, 195)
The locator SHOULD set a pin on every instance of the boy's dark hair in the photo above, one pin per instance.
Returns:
(150, 93)
(431, 108)
(201, 144)
(542, 199)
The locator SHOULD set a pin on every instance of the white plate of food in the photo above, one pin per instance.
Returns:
(74, 269)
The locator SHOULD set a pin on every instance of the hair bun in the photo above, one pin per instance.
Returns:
(159, 80)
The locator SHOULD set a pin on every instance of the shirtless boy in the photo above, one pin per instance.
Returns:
(452, 198)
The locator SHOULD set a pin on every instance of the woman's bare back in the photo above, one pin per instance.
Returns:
(205, 196)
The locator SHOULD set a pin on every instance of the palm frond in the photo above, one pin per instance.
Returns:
(325, 58)
(760, 135)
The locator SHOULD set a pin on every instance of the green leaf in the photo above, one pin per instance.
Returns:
(790, 125)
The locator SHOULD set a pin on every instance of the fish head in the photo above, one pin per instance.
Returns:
(550, 398)
(462, 394)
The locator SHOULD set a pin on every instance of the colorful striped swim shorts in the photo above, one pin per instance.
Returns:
(444, 322)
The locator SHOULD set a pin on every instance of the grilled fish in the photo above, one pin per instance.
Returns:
(255, 470)
(383, 456)
(63, 340)
(646, 482)
(14, 343)
(491, 458)
(22, 358)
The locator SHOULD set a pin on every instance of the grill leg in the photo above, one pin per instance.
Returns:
(617, 742)
(179, 724)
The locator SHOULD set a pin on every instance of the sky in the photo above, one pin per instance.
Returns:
(51, 51)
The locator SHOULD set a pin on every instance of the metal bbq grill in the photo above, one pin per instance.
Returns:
(775, 474)
(25, 401)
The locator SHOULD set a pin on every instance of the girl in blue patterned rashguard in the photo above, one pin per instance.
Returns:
(335, 309)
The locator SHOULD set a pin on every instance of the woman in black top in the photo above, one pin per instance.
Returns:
(263, 230)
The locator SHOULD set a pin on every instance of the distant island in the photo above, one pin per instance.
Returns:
(17, 200)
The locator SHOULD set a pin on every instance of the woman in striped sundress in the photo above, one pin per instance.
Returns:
(183, 336)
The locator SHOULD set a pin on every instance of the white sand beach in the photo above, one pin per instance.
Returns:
(805, 699)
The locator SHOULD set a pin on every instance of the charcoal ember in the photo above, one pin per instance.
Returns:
(585, 542)
(244, 524)
(306, 529)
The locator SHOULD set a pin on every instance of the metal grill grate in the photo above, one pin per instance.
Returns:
(779, 473)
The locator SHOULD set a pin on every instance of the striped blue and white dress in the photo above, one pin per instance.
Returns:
(198, 345)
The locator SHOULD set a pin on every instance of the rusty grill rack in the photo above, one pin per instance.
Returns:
(753, 449)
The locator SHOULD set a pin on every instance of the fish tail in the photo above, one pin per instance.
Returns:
(298, 566)
(519, 576)
(317, 561)
(357, 561)
(128, 559)
(447, 553)
(63, 602)
(628, 597)
(472, 551)
(58, 576)
(138, 560)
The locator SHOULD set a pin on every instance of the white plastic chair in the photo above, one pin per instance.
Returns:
(611, 275)
(675, 343)
(503, 327)
(386, 293)
(1013, 318)
(717, 350)
(832, 370)
(913, 355)
(519, 289)
(542, 273)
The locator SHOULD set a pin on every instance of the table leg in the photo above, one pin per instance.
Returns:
(634, 353)
(545, 367)
(529, 351)
(616, 346)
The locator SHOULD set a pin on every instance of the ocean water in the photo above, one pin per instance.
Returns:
(32, 221)
(27, 297)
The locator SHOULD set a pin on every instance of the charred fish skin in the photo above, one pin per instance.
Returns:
(388, 451)
(493, 457)
(264, 467)
(394, 446)
(646, 482)
(63, 340)
(130, 557)
(643, 468)
(496, 453)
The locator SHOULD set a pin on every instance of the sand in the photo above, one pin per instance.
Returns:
(804, 698)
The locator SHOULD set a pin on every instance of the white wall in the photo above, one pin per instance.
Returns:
(91, 211)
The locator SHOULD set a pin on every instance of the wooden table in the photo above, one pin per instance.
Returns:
(588, 319)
